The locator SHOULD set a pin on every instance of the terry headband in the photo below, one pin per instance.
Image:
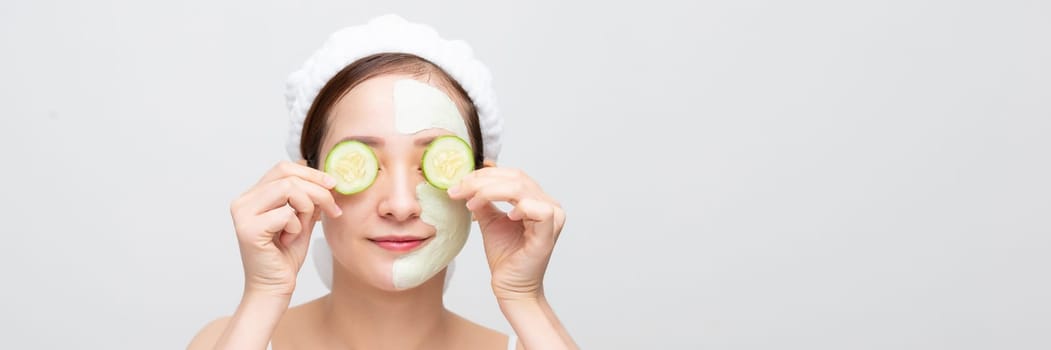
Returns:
(391, 33)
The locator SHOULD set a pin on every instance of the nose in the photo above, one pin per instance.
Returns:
(399, 202)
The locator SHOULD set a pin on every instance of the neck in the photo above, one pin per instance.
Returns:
(359, 316)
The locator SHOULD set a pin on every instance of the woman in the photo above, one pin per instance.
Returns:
(395, 87)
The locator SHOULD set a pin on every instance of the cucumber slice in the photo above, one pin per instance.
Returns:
(446, 161)
(354, 166)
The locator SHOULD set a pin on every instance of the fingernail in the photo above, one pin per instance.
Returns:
(339, 212)
(454, 190)
(330, 181)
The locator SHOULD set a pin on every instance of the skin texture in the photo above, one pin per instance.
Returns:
(274, 218)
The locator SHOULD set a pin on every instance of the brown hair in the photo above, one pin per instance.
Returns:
(316, 124)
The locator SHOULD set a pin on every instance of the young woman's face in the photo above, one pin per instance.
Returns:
(400, 231)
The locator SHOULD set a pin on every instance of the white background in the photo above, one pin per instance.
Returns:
(737, 174)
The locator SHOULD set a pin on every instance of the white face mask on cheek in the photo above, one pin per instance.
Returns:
(452, 224)
(419, 106)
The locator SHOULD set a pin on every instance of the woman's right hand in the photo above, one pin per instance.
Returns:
(274, 220)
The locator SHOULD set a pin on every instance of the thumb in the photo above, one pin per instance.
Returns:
(298, 245)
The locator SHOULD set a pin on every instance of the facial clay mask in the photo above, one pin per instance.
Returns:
(417, 107)
(451, 220)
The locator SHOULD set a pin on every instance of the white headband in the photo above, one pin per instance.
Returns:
(393, 34)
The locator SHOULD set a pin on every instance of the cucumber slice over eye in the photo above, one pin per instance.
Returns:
(354, 166)
(446, 161)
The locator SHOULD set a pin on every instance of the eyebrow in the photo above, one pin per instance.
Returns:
(377, 142)
(368, 140)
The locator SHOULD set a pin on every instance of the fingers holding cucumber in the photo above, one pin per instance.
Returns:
(271, 220)
(518, 244)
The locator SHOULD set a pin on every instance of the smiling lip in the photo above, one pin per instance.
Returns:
(399, 243)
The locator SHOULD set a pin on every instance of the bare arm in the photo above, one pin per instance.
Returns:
(273, 221)
(518, 246)
(536, 324)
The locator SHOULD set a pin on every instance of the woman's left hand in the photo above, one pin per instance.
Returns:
(518, 244)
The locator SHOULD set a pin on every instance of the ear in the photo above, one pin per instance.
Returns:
(488, 163)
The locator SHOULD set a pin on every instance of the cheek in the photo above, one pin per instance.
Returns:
(358, 214)
(444, 212)
(343, 233)
(351, 202)
(351, 252)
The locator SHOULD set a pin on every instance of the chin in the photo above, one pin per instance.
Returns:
(380, 278)
(375, 271)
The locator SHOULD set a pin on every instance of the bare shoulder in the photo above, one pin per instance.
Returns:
(299, 327)
(477, 336)
(291, 323)
(207, 336)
